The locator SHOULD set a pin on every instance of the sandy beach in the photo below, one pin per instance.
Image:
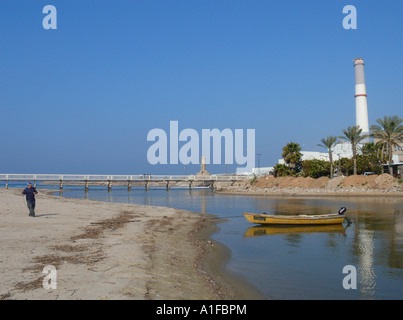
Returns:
(111, 251)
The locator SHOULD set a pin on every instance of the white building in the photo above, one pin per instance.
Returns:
(344, 150)
(262, 171)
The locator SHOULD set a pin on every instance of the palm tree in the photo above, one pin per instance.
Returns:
(292, 155)
(389, 133)
(374, 151)
(353, 135)
(328, 143)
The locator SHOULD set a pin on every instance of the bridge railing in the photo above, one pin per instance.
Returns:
(142, 177)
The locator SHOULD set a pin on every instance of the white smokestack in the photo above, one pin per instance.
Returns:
(361, 107)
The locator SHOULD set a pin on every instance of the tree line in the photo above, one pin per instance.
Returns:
(387, 134)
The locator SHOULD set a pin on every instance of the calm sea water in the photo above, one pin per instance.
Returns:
(295, 262)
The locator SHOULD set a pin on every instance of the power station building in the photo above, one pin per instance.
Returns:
(343, 148)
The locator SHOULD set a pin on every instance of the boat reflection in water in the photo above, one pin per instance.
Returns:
(264, 230)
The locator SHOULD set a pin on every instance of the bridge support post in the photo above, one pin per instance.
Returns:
(167, 185)
(6, 183)
(61, 184)
(86, 186)
(191, 185)
(129, 185)
(109, 185)
(146, 185)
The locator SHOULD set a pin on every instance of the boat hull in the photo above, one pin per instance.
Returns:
(294, 220)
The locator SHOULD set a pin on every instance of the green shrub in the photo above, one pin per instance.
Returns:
(253, 180)
(316, 168)
(281, 170)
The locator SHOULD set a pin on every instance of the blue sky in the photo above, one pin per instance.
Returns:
(82, 98)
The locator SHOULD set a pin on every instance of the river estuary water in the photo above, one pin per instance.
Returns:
(296, 262)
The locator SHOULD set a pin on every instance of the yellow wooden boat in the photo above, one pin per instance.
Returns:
(264, 218)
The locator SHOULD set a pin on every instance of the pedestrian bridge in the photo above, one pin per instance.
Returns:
(147, 179)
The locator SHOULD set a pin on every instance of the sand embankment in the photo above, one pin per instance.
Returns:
(372, 185)
(109, 251)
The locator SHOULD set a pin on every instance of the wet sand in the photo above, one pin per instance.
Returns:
(111, 251)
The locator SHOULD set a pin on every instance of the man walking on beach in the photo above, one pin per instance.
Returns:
(30, 193)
